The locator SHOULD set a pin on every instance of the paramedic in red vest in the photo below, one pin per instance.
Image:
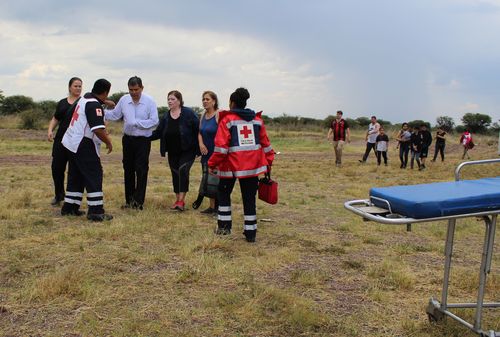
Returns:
(242, 150)
(83, 138)
(339, 132)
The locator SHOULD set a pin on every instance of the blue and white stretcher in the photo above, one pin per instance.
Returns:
(398, 205)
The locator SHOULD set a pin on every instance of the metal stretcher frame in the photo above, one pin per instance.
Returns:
(438, 310)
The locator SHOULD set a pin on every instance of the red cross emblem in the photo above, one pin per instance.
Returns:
(74, 117)
(245, 131)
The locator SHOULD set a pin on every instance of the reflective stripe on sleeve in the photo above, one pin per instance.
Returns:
(268, 149)
(97, 127)
(220, 150)
(243, 173)
(244, 148)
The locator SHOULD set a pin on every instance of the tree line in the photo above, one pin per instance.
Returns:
(35, 114)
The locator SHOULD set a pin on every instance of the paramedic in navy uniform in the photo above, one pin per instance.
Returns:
(140, 118)
(242, 150)
(61, 117)
(83, 138)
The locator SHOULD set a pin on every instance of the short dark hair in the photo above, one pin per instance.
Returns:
(177, 94)
(404, 124)
(374, 117)
(73, 79)
(239, 97)
(101, 86)
(133, 81)
(340, 112)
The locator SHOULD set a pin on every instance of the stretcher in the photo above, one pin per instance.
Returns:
(480, 198)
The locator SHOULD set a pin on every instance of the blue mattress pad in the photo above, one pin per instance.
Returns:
(441, 199)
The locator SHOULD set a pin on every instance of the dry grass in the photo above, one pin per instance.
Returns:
(316, 270)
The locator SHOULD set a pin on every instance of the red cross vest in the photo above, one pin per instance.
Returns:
(242, 148)
(79, 128)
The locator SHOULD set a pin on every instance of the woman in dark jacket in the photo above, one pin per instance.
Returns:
(178, 135)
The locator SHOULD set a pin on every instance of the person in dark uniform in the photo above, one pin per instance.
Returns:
(242, 151)
(178, 134)
(415, 146)
(60, 156)
(140, 117)
(426, 137)
(440, 143)
(86, 132)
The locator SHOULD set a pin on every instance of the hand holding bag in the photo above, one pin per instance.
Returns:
(268, 189)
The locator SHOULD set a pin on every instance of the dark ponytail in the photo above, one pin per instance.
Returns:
(239, 97)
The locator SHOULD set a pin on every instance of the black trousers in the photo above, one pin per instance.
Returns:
(135, 168)
(369, 147)
(84, 172)
(60, 158)
(180, 165)
(404, 148)
(439, 148)
(381, 154)
(248, 187)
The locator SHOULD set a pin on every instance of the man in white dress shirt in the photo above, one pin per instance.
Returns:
(140, 117)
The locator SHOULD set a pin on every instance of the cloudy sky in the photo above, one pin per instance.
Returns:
(399, 60)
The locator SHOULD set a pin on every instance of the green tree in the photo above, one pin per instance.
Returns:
(353, 124)
(446, 123)
(419, 122)
(197, 110)
(476, 122)
(363, 121)
(116, 96)
(327, 122)
(1, 97)
(384, 123)
(162, 110)
(47, 107)
(16, 104)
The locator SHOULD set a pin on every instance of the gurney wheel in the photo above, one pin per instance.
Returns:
(432, 318)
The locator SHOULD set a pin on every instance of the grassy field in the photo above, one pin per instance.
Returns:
(315, 270)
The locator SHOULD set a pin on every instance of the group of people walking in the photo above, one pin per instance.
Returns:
(233, 144)
(413, 143)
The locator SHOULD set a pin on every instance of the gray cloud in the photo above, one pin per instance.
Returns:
(396, 59)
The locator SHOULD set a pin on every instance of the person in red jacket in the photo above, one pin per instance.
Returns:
(242, 151)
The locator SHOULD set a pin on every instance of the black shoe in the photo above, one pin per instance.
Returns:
(136, 205)
(209, 210)
(55, 202)
(99, 217)
(72, 213)
(250, 235)
(197, 203)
